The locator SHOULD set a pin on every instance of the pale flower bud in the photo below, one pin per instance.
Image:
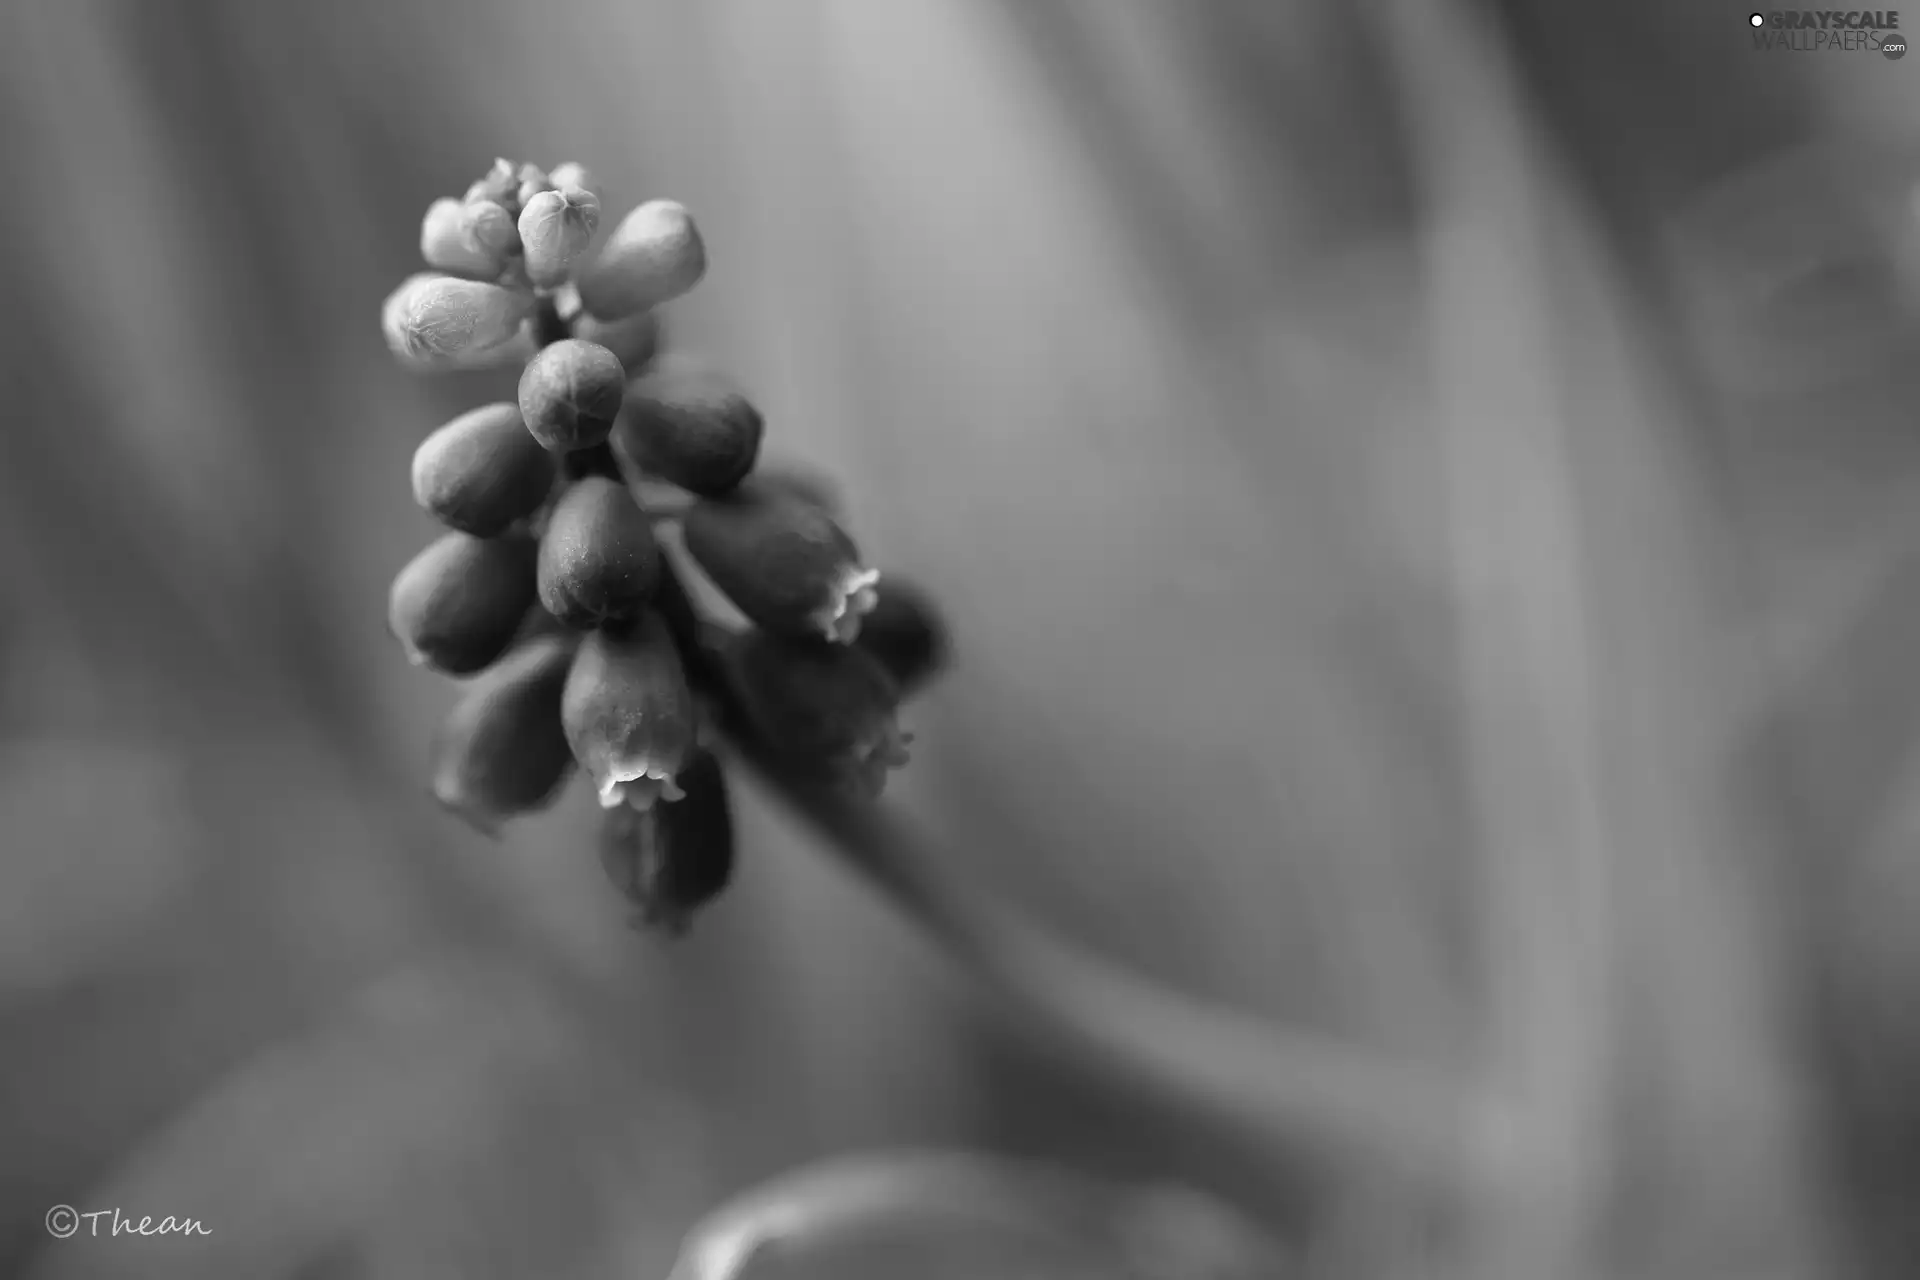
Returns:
(555, 228)
(573, 174)
(500, 185)
(468, 239)
(653, 256)
(440, 321)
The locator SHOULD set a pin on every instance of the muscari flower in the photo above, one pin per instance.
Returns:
(500, 184)
(824, 709)
(475, 239)
(653, 256)
(598, 559)
(670, 859)
(482, 471)
(629, 713)
(690, 425)
(555, 227)
(457, 605)
(570, 394)
(905, 634)
(441, 321)
(501, 751)
(786, 564)
(572, 173)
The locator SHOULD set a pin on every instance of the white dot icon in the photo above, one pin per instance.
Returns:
(1756, 20)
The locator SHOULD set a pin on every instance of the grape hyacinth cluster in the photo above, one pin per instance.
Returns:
(577, 519)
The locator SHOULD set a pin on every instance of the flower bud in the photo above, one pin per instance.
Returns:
(653, 256)
(482, 471)
(555, 228)
(905, 633)
(501, 184)
(570, 393)
(629, 713)
(784, 563)
(440, 321)
(458, 604)
(671, 859)
(571, 173)
(690, 425)
(501, 752)
(635, 339)
(824, 709)
(598, 561)
(473, 239)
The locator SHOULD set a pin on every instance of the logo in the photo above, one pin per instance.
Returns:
(1829, 31)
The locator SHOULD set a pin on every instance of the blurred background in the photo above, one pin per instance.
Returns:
(1435, 558)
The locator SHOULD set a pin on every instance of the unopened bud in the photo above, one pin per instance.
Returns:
(500, 184)
(598, 559)
(669, 860)
(473, 239)
(688, 424)
(442, 321)
(482, 471)
(555, 229)
(906, 634)
(784, 563)
(570, 394)
(629, 713)
(501, 752)
(458, 604)
(653, 256)
(572, 173)
(824, 710)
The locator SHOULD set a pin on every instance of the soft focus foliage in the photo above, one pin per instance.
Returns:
(1116, 320)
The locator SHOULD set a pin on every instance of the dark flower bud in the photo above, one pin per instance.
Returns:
(689, 424)
(653, 256)
(473, 239)
(629, 713)
(635, 339)
(905, 633)
(671, 859)
(555, 228)
(598, 560)
(824, 709)
(458, 604)
(786, 564)
(482, 471)
(439, 321)
(501, 752)
(570, 394)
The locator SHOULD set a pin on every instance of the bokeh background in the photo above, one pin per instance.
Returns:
(1383, 568)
